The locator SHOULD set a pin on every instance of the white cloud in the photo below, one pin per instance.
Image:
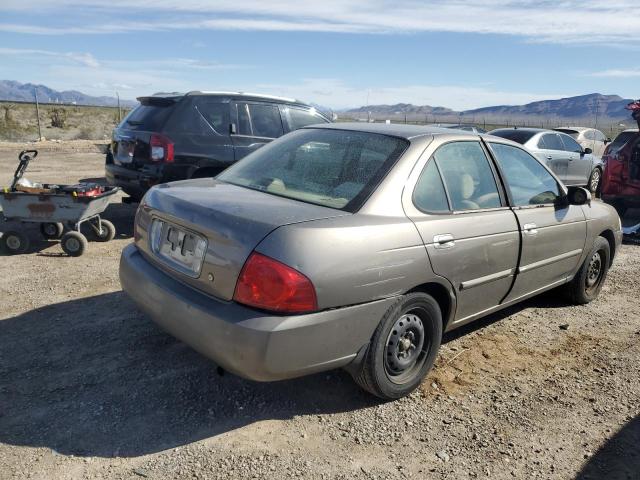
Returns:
(613, 23)
(614, 73)
(85, 59)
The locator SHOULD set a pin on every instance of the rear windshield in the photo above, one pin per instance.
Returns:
(519, 136)
(568, 131)
(332, 168)
(149, 117)
(621, 140)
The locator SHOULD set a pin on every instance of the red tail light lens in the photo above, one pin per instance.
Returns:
(161, 148)
(270, 285)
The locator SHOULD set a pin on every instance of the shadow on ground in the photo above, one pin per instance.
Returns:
(619, 457)
(92, 377)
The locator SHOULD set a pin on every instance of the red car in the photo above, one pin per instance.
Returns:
(621, 178)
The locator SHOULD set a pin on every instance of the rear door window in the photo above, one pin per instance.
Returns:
(259, 120)
(467, 176)
(298, 117)
(551, 141)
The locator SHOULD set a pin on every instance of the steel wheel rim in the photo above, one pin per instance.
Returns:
(595, 180)
(405, 349)
(73, 244)
(50, 229)
(13, 242)
(594, 271)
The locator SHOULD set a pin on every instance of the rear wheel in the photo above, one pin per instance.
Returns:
(587, 283)
(14, 242)
(51, 231)
(403, 347)
(74, 243)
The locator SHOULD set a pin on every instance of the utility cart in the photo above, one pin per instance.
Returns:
(54, 207)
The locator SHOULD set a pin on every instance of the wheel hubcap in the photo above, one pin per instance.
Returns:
(73, 245)
(595, 180)
(404, 345)
(50, 229)
(13, 242)
(594, 270)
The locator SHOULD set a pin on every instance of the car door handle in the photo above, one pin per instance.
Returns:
(444, 241)
(530, 229)
(549, 157)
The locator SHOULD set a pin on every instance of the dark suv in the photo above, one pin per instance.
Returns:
(177, 136)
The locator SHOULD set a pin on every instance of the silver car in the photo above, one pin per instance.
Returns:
(572, 163)
(357, 246)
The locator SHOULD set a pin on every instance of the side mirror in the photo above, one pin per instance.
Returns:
(607, 140)
(578, 196)
(232, 129)
(587, 151)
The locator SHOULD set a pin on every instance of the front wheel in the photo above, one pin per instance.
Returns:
(587, 283)
(594, 182)
(403, 347)
(74, 243)
(105, 232)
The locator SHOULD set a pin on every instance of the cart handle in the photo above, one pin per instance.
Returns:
(25, 157)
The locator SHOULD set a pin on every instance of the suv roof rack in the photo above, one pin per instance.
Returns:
(245, 94)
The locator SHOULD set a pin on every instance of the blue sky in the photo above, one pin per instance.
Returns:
(336, 53)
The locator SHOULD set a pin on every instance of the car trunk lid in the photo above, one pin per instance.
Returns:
(232, 220)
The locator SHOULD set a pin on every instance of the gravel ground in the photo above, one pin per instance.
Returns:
(90, 388)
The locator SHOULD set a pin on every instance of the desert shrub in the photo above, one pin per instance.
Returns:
(8, 108)
(85, 133)
(58, 117)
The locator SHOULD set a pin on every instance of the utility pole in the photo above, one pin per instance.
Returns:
(119, 111)
(35, 94)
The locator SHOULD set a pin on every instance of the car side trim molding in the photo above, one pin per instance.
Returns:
(476, 282)
(549, 261)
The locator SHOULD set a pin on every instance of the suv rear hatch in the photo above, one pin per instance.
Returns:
(202, 231)
(137, 140)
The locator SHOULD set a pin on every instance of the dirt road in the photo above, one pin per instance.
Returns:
(90, 388)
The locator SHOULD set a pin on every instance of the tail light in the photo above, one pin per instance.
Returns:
(161, 148)
(271, 285)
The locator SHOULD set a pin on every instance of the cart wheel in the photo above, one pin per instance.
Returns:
(108, 231)
(74, 243)
(14, 242)
(51, 231)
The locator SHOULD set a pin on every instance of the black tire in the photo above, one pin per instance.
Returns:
(403, 347)
(74, 243)
(14, 243)
(595, 182)
(108, 232)
(51, 231)
(587, 283)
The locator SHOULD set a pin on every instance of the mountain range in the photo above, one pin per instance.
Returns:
(608, 108)
(15, 91)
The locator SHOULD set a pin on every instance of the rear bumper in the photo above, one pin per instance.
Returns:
(133, 182)
(253, 344)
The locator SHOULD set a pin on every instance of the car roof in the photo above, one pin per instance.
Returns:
(524, 129)
(577, 129)
(394, 129)
(222, 93)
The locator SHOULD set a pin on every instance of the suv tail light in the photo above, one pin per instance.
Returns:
(271, 285)
(161, 148)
